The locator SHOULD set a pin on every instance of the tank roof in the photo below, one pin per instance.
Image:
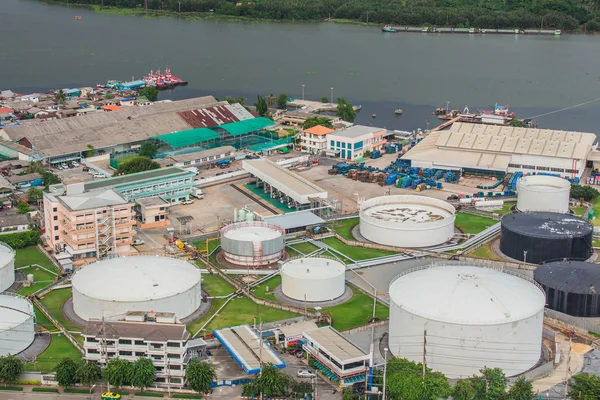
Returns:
(466, 294)
(14, 310)
(252, 233)
(406, 212)
(570, 276)
(544, 182)
(546, 224)
(313, 268)
(135, 278)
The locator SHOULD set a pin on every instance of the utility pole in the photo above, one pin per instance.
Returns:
(424, 352)
(105, 350)
(260, 363)
(169, 376)
(385, 351)
(568, 369)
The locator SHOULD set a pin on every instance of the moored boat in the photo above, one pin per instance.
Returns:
(388, 28)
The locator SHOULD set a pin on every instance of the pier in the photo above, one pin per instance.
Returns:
(516, 31)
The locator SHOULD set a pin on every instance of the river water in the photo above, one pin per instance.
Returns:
(44, 47)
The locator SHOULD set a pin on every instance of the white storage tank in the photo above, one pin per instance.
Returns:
(313, 279)
(17, 323)
(252, 243)
(469, 316)
(407, 220)
(7, 266)
(543, 193)
(111, 288)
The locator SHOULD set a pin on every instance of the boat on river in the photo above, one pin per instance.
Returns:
(165, 80)
(388, 29)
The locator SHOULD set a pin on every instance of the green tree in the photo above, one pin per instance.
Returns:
(34, 195)
(48, 178)
(91, 152)
(66, 372)
(517, 123)
(261, 106)
(60, 96)
(230, 99)
(588, 193)
(10, 368)
(300, 389)
(149, 92)
(88, 373)
(522, 389)
(23, 207)
(109, 96)
(324, 99)
(271, 100)
(463, 390)
(199, 375)
(35, 167)
(282, 101)
(405, 381)
(241, 100)
(584, 386)
(117, 372)
(148, 149)
(345, 110)
(271, 381)
(142, 373)
(490, 385)
(317, 120)
(136, 164)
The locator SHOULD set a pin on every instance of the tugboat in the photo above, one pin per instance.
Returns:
(164, 80)
(388, 29)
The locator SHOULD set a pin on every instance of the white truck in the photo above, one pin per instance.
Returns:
(198, 193)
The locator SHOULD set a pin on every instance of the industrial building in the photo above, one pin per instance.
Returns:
(88, 225)
(504, 149)
(288, 187)
(152, 212)
(339, 359)
(570, 287)
(202, 159)
(406, 220)
(244, 345)
(7, 266)
(539, 237)
(253, 243)
(461, 318)
(111, 288)
(313, 279)
(296, 222)
(543, 193)
(351, 143)
(17, 323)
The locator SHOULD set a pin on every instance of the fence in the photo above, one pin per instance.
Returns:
(587, 324)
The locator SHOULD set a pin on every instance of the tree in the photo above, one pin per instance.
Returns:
(60, 96)
(584, 386)
(35, 167)
(405, 381)
(314, 121)
(271, 381)
(490, 385)
(261, 106)
(522, 389)
(34, 195)
(345, 110)
(10, 368)
(48, 178)
(271, 100)
(117, 372)
(88, 373)
(136, 164)
(229, 99)
(324, 99)
(91, 151)
(199, 375)
(463, 390)
(588, 193)
(66, 371)
(109, 96)
(149, 92)
(517, 123)
(241, 100)
(23, 207)
(142, 373)
(282, 101)
(148, 149)
(300, 389)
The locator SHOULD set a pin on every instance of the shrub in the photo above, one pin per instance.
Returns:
(21, 239)
(77, 391)
(148, 394)
(13, 388)
(44, 389)
(29, 382)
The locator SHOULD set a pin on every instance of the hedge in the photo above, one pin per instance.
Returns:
(77, 391)
(148, 394)
(21, 239)
(44, 389)
(33, 382)
(14, 388)
(186, 396)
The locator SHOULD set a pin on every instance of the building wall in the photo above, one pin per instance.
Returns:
(154, 217)
(174, 190)
(351, 148)
(314, 144)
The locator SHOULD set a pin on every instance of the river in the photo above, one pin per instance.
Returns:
(44, 47)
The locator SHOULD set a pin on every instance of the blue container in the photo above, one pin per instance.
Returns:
(439, 185)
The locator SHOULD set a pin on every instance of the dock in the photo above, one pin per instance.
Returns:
(315, 107)
(516, 31)
(446, 124)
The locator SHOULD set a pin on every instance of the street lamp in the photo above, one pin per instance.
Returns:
(524, 256)
(302, 92)
(384, 370)
(447, 106)
(331, 95)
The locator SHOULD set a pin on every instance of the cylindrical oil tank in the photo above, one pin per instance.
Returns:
(110, 288)
(406, 220)
(572, 287)
(537, 237)
(252, 243)
(313, 279)
(7, 266)
(17, 323)
(464, 317)
(543, 193)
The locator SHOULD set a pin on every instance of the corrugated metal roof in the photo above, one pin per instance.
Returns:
(294, 219)
(188, 137)
(247, 126)
(335, 344)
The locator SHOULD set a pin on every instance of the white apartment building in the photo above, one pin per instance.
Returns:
(352, 142)
(314, 140)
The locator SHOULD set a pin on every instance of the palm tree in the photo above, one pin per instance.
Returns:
(271, 100)
(242, 101)
(60, 96)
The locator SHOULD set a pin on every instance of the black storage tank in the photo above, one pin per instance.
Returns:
(570, 287)
(545, 236)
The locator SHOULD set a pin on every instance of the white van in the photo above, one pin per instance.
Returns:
(198, 193)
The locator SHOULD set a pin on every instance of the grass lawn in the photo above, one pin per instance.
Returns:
(41, 319)
(304, 247)
(486, 252)
(596, 208)
(506, 208)
(54, 301)
(473, 224)
(356, 253)
(261, 290)
(356, 312)
(579, 211)
(292, 252)
(59, 348)
(214, 285)
(239, 311)
(42, 278)
(595, 243)
(201, 245)
(344, 227)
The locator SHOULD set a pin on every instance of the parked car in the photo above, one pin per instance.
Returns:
(75, 164)
(305, 373)
(138, 242)
(99, 176)
(299, 354)
(188, 201)
(70, 166)
(86, 169)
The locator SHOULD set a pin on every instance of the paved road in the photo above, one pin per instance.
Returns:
(324, 389)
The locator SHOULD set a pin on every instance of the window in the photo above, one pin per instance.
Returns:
(55, 237)
(543, 168)
(124, 341)
(54, 209)
(173, 344)
(187, 163)
(175, 367)
(91, 340)
(175, 380)
(93, 351)
(156, 218)
(557, 169)
(173, 356)
(343, 145)
(55, 218)
(125, 353)
(358, 145)
(337, 144)
(56, 228)
(140, 354)
(332, 143)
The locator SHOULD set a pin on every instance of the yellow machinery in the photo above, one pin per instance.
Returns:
(205, 250)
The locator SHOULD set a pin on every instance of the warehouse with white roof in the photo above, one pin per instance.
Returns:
(506, 149)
